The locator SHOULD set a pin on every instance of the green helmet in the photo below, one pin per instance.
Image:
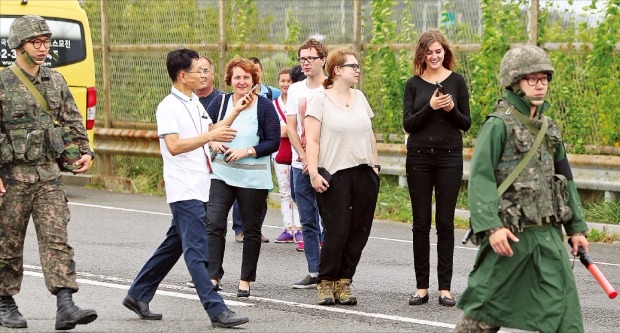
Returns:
(521, 61)
(27, 27)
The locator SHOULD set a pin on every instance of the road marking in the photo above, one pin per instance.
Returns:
(126, 287)
(120, 209)
(278, 227)
(36, 271)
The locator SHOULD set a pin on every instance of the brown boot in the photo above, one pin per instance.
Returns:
(342, 292)
(326, 292)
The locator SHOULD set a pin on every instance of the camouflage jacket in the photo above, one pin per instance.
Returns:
(21, 112)
(503, 140)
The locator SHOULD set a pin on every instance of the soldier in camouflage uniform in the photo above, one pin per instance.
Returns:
(30, 180)
(522, 277)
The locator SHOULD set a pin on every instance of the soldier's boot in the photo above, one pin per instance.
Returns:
(10, 315)
(68, 314)
(342, 292)
(326, 292)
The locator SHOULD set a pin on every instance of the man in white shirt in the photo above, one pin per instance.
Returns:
(311, 55)
(184, 129)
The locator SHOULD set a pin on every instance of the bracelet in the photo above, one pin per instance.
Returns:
(313, 178)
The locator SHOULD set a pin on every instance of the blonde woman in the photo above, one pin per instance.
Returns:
(340, 141)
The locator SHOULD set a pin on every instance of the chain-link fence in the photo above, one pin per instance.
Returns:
(142, 32)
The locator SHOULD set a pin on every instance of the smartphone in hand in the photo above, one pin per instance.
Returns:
(440, 89)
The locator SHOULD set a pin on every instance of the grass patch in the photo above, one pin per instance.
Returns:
(393, 203)
(602, 236)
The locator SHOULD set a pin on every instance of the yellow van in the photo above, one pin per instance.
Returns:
(71, 41)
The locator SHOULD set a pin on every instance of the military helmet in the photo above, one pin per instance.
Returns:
(522, 60)
(27, 27)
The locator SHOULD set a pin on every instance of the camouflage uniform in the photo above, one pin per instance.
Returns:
(31, 175)
(534, 289)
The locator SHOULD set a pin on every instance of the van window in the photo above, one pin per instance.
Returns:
(67, 42)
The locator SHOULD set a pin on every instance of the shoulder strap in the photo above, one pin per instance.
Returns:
(225, 98)
(33, 90)
(269, 93)
(526, 159)
(280, 110)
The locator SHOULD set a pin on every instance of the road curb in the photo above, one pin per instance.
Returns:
(463, 213)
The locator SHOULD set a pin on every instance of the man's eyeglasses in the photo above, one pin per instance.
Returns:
(308, 59)
(37, 43)
(533, 80)
(355, 67)
(200, 71)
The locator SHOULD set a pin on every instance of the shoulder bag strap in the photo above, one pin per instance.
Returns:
(526, 159)
(219, 114)
(280, 110)
(33, 90)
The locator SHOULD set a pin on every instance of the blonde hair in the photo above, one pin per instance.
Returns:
(336, 58)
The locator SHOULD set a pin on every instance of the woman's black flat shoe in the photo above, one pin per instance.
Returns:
(418, 300)
(217, 287)
(447, 301)
(243, 293)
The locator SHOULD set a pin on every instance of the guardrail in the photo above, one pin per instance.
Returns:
(592, 172)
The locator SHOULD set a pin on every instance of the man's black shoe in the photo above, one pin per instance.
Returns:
(10, 315)
(141, 309)
(228, 319)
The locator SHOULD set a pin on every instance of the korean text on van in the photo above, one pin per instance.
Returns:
(71, 41)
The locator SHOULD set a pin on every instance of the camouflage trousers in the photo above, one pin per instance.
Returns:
(47, 204)
(469, 325)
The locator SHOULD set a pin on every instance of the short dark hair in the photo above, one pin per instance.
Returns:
(256, 61)
(180, 60)
(297, 74)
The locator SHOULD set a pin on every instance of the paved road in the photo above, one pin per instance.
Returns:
(114, 234)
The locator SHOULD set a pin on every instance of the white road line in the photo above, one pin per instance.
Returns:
(36, 271)
(126, 287)
(120, 209)
(377, 238)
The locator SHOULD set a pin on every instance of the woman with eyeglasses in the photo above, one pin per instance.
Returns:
(344, 171)
(241, 169)
(435, 113)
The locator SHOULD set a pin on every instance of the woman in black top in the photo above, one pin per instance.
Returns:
(434, 121)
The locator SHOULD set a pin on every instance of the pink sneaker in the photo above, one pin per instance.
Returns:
(285, 237)
(300, 246)
(298, 236)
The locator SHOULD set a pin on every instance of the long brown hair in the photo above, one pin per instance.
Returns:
(426, 39)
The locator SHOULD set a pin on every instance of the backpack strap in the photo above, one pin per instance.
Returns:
(269, 93)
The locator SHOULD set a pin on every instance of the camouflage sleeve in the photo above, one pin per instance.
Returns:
(578, 222)
(70, 114)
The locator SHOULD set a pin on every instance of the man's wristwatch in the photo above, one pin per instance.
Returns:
(250, 152)
(378, 167)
